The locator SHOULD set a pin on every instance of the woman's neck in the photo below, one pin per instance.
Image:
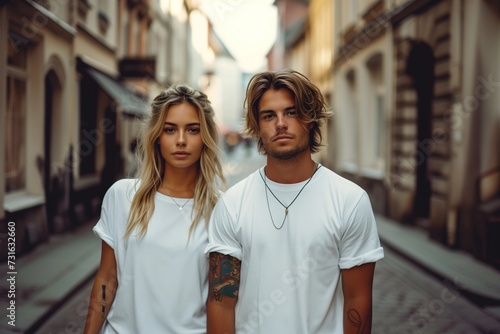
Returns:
(180, 182)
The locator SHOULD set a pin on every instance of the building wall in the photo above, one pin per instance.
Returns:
(290, 13)
(475, 123)
(4, 33)
(432, 152)
(60, 36)
(461, 150)
(362, 96)
(416, 112)
(320, 63)
(45, 38)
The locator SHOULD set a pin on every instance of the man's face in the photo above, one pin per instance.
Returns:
(283, 134)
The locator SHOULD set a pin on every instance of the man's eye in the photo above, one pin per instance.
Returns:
(291, 113)
(268, 116)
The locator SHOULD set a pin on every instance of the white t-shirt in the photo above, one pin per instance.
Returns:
(290, 278)
(162, 278)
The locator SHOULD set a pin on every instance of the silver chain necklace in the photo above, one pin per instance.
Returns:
(283, 205)
(179, 206)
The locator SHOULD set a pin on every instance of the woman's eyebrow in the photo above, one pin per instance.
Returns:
(189, 124)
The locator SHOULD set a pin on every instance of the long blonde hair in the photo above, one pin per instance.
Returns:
(152, 165)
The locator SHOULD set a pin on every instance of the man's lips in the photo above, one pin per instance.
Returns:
(282, 137)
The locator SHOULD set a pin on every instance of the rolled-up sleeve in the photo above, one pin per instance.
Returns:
(222, 237)
(360, 241)
(103, 229)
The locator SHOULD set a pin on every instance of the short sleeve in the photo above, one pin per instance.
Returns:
(103, 229)
(221, 232)
(360, 242)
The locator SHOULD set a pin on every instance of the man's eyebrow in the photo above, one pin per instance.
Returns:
(263, 111)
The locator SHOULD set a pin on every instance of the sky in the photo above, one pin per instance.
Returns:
(247, 28)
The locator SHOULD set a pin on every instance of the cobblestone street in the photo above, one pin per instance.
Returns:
(407, 300)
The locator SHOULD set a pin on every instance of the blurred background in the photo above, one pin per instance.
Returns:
(414, 86)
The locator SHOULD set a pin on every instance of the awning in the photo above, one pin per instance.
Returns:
(126, 100)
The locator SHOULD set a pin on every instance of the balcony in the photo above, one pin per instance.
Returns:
(138, 67)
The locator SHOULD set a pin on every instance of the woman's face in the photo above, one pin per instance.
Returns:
(180, 141)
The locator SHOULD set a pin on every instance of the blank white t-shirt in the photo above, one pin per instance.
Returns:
(290, 278)
(162, 278)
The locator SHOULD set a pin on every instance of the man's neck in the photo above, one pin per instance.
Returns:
(289, 171)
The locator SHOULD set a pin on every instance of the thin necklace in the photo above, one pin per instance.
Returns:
(179, 206)
(283, 205)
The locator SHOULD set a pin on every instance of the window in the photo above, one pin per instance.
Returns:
(379, 133)
(15, 120)
(15, 143)
(88, 124)
(375, 91)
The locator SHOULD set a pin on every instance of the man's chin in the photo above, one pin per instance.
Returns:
(283, 154)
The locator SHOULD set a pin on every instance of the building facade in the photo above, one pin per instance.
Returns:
(417, 114)
(78, 76)
(414, 87)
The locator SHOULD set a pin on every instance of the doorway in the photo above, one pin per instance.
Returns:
(420, 67)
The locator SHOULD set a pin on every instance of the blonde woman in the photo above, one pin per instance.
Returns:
(153, 273)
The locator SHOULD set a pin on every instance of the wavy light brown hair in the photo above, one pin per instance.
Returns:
(152, 165)
(310, 105)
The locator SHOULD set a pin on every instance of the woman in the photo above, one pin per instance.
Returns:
(153, 273)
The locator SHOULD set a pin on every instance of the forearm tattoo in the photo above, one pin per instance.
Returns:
(354, 319)
(103, 302)
(224, 276)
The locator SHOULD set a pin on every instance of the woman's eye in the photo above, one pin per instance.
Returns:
(194, 130)
(169, 130)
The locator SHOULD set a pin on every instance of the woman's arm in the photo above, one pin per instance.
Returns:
(224, 284)
(103, 291)
(357, 283)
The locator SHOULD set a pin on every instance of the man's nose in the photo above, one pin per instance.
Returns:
(281, 122)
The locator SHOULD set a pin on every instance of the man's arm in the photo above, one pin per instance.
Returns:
(357, 283)
(224, 284)
(103, 291)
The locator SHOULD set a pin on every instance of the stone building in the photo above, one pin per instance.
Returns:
(416, 101)
(416, 87)
(77, 76)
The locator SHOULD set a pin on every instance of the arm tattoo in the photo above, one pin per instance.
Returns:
(355, 320)
(103, 303)
(224, 276)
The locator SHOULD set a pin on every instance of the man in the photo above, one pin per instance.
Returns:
(293, 246)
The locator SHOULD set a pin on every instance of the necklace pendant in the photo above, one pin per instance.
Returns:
(180, 208)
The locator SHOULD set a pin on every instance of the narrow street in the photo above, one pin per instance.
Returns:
(406, 299)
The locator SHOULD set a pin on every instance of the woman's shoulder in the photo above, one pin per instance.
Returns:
(124, 187)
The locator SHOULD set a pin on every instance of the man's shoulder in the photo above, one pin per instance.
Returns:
(341, 183)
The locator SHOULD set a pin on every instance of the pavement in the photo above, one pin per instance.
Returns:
(55, 271)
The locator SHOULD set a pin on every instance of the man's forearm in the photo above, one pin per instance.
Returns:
(358, 316)
(220, 318)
